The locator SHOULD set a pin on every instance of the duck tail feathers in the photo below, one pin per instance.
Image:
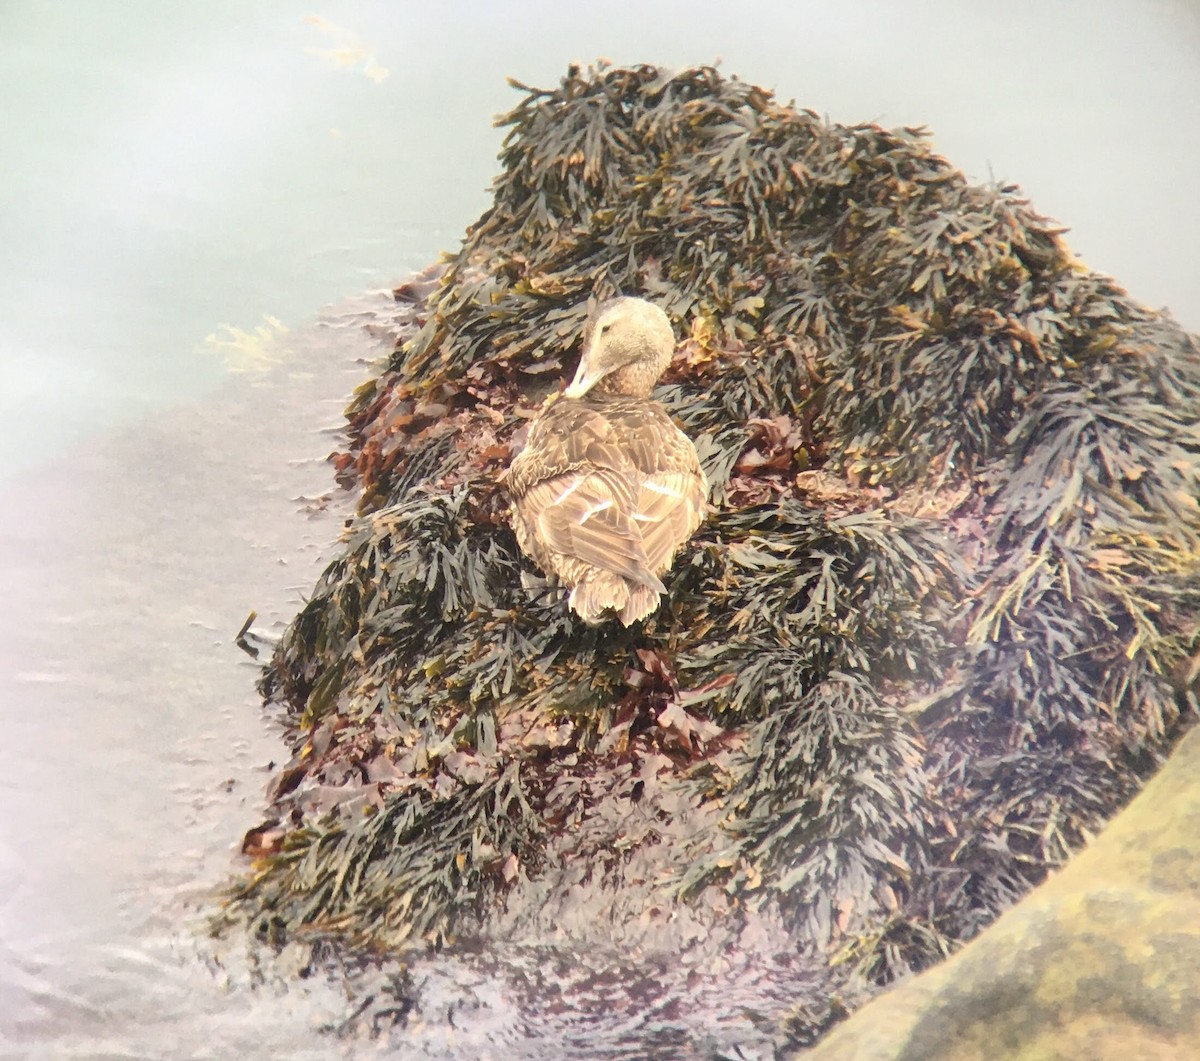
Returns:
(593, 596)
(642, 601)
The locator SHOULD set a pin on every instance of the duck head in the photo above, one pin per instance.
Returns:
(627, 345)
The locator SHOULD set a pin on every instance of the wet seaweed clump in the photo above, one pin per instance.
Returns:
(940, 626)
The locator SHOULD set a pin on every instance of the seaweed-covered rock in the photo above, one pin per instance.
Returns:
(940, 627)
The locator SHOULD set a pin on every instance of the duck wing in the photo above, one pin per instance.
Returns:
(670, 507)
(672, 492)
(575, 488)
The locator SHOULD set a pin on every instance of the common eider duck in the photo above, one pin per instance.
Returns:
(607, 488)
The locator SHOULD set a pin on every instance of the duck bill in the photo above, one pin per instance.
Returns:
(585, 379)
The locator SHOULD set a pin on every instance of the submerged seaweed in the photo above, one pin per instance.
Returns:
(940, 626)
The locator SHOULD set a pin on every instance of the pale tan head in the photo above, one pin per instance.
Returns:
(627, 345)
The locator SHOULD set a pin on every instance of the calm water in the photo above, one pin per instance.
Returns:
(183, 188)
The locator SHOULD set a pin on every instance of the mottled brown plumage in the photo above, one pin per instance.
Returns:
(607, 488)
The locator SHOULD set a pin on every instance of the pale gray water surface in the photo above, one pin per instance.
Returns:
(175, 172)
